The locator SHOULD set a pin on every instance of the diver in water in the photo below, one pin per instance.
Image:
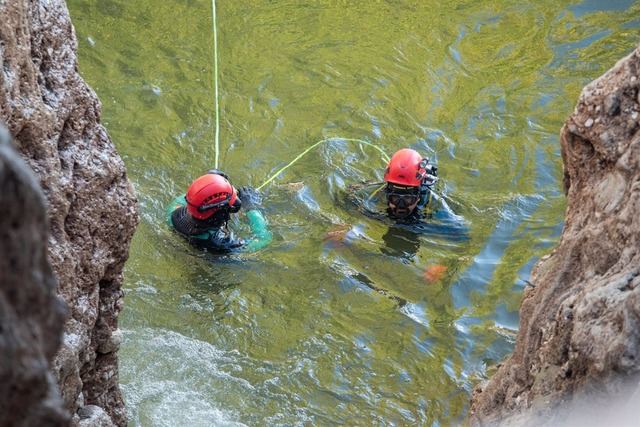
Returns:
(408, 202)
(202, 215)
(408, 187)
(409, 179)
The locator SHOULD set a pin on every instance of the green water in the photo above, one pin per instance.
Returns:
(293, 335)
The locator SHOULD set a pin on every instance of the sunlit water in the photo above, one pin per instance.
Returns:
(294, 334)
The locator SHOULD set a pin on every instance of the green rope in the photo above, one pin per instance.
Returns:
(385, 157)
(215, 73)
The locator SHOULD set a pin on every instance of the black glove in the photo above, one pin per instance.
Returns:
(250, 198)
(218, 172)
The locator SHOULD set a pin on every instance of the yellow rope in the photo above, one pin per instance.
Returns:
(299, 156)
(215, 74)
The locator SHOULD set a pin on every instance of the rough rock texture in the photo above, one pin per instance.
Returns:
(93, 416)
(580, 323)
(28, 338)
(54, 118)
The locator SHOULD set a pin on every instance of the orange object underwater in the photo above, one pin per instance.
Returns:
(434, 273)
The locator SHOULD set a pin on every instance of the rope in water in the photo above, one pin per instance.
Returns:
(385, 157)
(215, 79)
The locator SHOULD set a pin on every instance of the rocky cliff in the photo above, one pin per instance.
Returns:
(28, 338)
(54, 118)
(580, 320)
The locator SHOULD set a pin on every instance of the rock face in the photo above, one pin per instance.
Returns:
(54, 118)
(580, 323)
(29, 337)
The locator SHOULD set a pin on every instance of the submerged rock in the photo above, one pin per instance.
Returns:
(579, 334)
(54, 118)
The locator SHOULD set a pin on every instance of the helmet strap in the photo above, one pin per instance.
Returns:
(424, 195)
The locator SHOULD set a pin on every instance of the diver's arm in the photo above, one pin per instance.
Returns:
(260, 230)
(176, 203)
(257, 222)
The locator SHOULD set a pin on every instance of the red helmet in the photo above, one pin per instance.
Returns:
(208, 194)
(404, 168)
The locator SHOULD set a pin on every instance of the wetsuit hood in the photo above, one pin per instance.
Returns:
(190, 226)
